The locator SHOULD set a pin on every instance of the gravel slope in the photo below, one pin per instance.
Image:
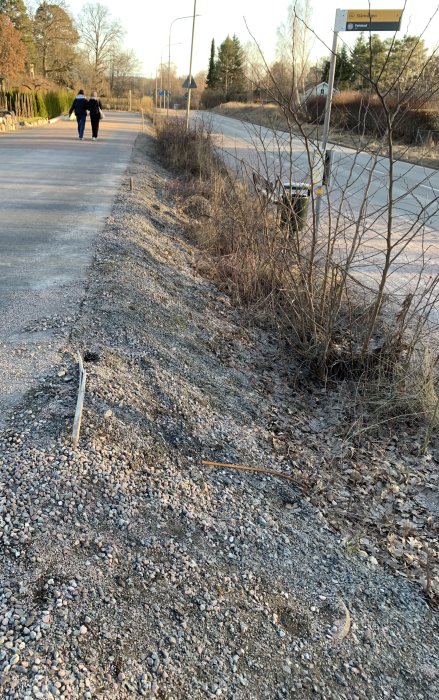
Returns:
(131, 570)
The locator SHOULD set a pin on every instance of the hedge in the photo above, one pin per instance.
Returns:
(363, 113)
(36, 104)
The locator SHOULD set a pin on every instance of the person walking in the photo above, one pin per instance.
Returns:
(79, 107)
(95, 110)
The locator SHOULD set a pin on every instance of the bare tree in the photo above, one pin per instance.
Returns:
(254, 68)
(357, 294)
(100, 35)
(123, 65)
(55, 39)
(294, 45)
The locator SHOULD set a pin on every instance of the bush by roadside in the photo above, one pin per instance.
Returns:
(324, 315)
(187, 151)
(213, 98)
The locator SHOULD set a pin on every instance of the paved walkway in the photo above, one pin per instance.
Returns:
(55, 195)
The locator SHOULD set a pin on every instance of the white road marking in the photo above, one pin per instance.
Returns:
(374, 170)
(429, 187)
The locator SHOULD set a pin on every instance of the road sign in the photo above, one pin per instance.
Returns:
(349, 21)
(188, 83)
(368, 20)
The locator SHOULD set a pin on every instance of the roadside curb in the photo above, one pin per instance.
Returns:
(41, 122)
(55, 119)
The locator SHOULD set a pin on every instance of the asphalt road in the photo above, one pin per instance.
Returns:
(415, 198)
(55, 194)
(416, 187)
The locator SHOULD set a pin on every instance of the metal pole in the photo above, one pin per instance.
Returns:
(161, 81)
(188, 106)
(169, 67)
(155, 101)
(326, 124)
(169, 55)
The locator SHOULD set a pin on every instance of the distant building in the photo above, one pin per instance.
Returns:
(316, 91)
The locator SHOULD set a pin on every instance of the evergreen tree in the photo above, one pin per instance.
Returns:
(344, 77)
(407, 59)
(238, 69)
(368, 59)
(211, 78)
(229, 66)
(395, 64)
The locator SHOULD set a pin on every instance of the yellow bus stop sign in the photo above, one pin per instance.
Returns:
(368, 20)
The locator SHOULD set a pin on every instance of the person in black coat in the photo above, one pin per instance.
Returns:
(95, 110)
(79, 107)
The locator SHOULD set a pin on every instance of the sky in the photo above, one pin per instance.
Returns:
(147, 24)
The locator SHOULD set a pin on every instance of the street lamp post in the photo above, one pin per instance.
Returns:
(161, 77)
(169, 56)
(188, 106)
(154, 118)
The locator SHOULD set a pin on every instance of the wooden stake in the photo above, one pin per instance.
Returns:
(79, 403)
(131, 184)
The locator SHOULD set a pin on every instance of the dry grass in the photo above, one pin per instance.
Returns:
(266, 266)
(187, 152)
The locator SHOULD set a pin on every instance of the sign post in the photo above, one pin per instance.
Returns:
(188, 105)
(189, 83)
(368, 20)
(349, 21)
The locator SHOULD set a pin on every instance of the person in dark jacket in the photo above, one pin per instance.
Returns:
(79, 107)
(95, 110)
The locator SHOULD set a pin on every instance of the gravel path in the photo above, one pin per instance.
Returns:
(131, 570)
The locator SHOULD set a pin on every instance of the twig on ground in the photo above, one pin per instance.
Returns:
(259, 470)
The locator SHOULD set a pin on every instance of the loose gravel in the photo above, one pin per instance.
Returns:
(128, 569)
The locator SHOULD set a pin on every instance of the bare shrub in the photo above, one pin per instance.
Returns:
(187, 151)
(305, 281)
(147, 105)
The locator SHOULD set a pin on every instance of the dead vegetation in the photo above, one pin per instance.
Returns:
(297, 282)
(376, 360)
